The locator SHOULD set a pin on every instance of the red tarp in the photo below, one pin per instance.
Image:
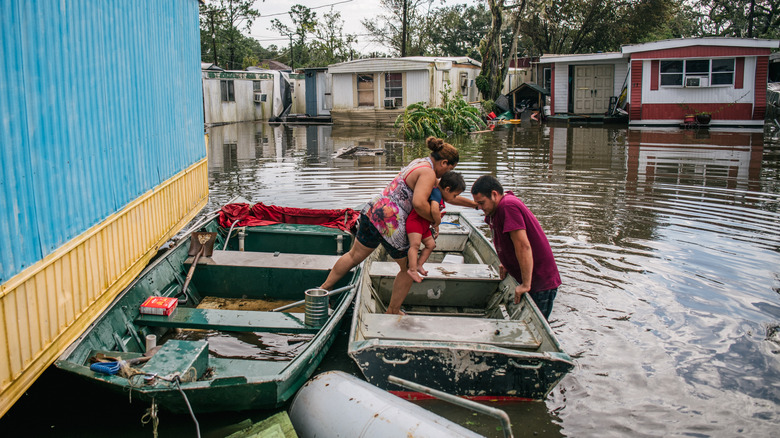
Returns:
(261, 214)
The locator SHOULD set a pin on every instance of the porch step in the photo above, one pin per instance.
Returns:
(229, 320)
(447, 284)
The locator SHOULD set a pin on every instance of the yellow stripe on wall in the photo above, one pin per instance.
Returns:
(47, 306)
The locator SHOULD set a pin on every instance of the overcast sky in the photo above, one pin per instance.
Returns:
(352, 12)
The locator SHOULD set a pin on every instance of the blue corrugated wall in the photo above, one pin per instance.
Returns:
(94, 112)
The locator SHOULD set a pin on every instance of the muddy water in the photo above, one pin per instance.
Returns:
(668, 243)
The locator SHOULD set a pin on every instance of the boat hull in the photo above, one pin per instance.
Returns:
(215, 354)
(463, 370)
(462, 332)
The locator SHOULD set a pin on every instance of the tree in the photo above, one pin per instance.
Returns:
(460, 28)
(304, 22)
(330, 44)
(387, 29)
(221, 23)
(744, 18)
(582, 26)
(495, 58)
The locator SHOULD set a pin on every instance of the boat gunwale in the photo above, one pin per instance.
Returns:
(360, 345)
(285, 381)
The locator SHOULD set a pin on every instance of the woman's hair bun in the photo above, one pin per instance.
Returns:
(434, 144)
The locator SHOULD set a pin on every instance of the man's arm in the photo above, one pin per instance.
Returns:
(464, 202)
(525, 258)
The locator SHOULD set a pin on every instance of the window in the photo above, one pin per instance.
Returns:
(365, 90)
(671, 73)
(393, 85)
(547, 73)
(228, 93)
(703, 71)
(722, 72)
(257, 86)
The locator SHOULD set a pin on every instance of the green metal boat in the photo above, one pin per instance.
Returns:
(462, 333)
(229, 344)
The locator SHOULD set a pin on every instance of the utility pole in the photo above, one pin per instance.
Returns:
(213, 37)
(292, 57)
(404, 28)
(750, 19)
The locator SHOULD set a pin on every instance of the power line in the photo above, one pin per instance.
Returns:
(315, 7)
(272, 38)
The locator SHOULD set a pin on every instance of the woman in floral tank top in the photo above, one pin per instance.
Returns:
(383, 221)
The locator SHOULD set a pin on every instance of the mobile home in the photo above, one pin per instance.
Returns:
(375, 91)
(723, 77)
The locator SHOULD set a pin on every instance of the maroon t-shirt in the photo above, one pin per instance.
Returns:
(511, 214)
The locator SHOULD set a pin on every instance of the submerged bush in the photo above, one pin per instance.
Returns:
(455, 116)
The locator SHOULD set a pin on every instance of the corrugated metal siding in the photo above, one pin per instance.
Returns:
(621, 72)
(100, 102)
(635, 89)
(375, 65)
(101, 109)
(418, 87)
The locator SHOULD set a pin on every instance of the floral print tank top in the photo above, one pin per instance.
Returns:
(388, 211)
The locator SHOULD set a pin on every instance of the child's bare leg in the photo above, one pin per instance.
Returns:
(414, 248)
(430, 244)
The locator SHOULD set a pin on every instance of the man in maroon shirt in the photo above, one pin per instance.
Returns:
(520, 242)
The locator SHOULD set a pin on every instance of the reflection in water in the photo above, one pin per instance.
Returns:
(667, 242)
(249, 345)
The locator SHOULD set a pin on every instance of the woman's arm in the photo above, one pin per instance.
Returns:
(421, 191)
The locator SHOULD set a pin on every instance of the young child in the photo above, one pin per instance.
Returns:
(419, 229)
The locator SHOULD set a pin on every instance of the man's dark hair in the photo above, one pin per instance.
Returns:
(452, 180)
(485, 184)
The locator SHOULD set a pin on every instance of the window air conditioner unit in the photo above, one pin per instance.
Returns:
(260, 97)
(694, 81)
(399, 102)
(389, 103)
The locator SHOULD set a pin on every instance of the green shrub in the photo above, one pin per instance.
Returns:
(488, 105)
(418, 121)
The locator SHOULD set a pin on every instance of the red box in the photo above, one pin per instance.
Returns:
(159, 306)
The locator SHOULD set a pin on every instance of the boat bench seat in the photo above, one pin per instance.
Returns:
(447, 284)
(179, 357)
(229, 320)
(250, 274)
(281, 260)
(498, 332)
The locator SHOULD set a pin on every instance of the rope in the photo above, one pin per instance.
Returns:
(177, 381)
(150, 379)
(151, 415)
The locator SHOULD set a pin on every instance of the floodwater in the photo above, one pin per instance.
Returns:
(668, 243)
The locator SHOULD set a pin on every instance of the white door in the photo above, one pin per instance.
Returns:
(603, 86)
(592, 88)
(583, 89)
